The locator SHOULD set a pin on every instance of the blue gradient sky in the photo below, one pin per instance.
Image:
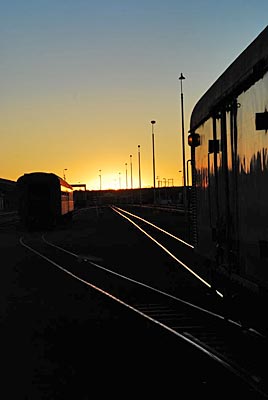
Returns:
(80, 82)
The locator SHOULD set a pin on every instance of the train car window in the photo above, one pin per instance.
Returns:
(261, 121)
(213, 146)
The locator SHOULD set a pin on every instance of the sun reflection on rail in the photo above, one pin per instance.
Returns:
(116, 209)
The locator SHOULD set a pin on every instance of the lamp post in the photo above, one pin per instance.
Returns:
(100, 177)
(165, 186)
(119, 180)
(181, 78)
(139, 159)
(64, 177)
(126, 176)
(131, 171)
(182, 127)
(180, 171)
(153, 122)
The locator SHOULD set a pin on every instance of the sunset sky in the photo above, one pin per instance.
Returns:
(81, 80)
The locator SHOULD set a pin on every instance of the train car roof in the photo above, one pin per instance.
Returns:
(34, 176)
(247, 68)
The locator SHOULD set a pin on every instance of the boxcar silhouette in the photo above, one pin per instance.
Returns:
(44, 199)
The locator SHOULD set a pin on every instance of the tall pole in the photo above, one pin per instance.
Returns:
(182, 127)
(64, 177)
(100, 177)
(153, 122)
(131, 171)
(181, 78)
(119, 180)
(126, 176)
(139, 159)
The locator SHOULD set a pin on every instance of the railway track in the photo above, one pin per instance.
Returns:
(239, 351)
(8, 219)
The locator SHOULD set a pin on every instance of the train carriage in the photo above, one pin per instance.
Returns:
(44, 199)
(229, 142)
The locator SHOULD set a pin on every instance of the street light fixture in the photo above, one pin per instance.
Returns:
(153, 122)
(119, 180)
(139, 158)
(181, 78)
(64, 177)
(100, 177)
(131, 171)
(126, 176)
